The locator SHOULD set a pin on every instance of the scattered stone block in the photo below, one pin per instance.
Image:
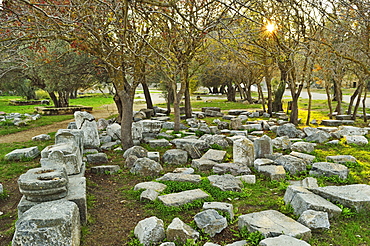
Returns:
(262, 162)
(263, 146)
(233, 168)
(137, 151)
(243, 151)
(180, 177)
(221, 206)
(253, 127)
(106, 169)
(210, 221)
(175, 157)
(356, 139)
(180, 143)
(41, 137)
(307, 183)
(292, 164)
(351, 131)
(86, 122)
(49, 223)
(273, 172)
(236, 124)
(302, 202)
(19, 154)
(146, 167)
(97, 158)
(214, 155)
(213, 113)
(305, 157)
(108, 146)
(283, 240)
(217, 109)
(272, 223)
(355, 196)
(249, 179)
(150, 231)
(180, 232)
(154, 156)
(159, 143)
(341, 158)
(331, 122)
(181, 198)
(303, 147)
(315, 220)
(149, 195)
(203, 164)
(292, 191)
(226, 182)
(130, 161)
(289, 130)
(187, 170)
(282, 142)
(329, 169)
(211, 244)
(151, 185)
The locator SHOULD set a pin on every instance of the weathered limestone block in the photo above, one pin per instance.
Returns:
(150, 231)
(137, 151)
(180, 143)
(175, 157)
(181, 198)
(226, 182)
(151, 185)
(351, 131)
(356, 139)
(203, 164)
(86, 122)
(214, 155)
(303, 147)
(73, 136)
(149, 195)
(210, 221)
(97, 158)
(305, 157)
(292, 164)
(233, 168)
(67, 155)
(341, 158)
(243, 151)
(155, 143)
(221, 206)
(236, 124)
(283, 240)
(19, 154)
(272, 223)
(329, 169)
(262, 162)
(289, 130)
(263, 146)
(49, 223)
(307, 183)
(41, 137)
(315, 220)
(146, 167)
(180, 232)
(355, 196)
(111, 169)
(282, 142)
(44, 184)
(180, 177)
(273, 172)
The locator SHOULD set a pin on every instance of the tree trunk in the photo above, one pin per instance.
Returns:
(354, 95)
(357, 103)
(309, 104)
(294, 111)
(364, 103)
(338, 96)
(54, 99)
(63, 98)
(148, 98)
(329, 101)
(127, 102)
(230, 93)
(215, 90)
(188, 111)
(277, 104)
(176, 112)
(260, 95)
(249, 94)
(118, 102)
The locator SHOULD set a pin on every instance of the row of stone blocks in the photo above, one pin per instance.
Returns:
(53, 205)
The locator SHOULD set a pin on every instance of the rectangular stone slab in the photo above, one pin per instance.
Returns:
(181, 198)
(272, 223)
(355, 196)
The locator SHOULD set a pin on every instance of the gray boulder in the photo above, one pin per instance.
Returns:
(282, 142)
(180, 177)
(289, 130)
(243, 151)
(114, 131)
(102, 124)
(283, 240)
(49, 223)
(180, 232)
(146, 167)
(19, 154)
(226, 182)
(149, 231)
(355, 196)
(292, 164)
(318, 137)
(97, 158)
(356, 139)
(210, 221)
(175, 157)
(130, 161)
(221, 206)
(41, 137)
(303, 147)
(137, 151)
(315, 220)
(329, 169)
(263, 146)
(272, 223)
(149, 195)
(184, 197)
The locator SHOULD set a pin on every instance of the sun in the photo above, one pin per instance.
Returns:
(271, 27)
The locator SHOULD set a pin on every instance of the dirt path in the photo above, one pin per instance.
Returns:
(103, 112)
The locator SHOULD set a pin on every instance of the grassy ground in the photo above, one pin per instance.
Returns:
(114, 208)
